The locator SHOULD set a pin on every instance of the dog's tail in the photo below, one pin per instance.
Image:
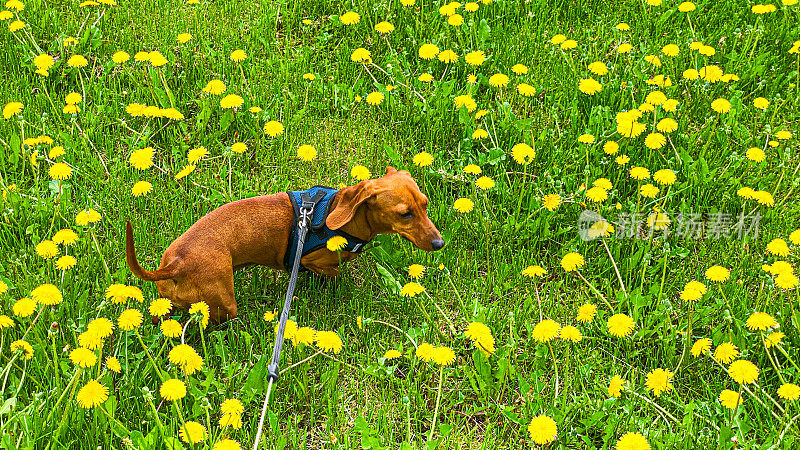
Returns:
(130, 255)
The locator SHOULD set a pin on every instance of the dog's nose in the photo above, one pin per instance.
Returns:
(437, 244)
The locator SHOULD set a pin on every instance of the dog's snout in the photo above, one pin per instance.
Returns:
(437, 244)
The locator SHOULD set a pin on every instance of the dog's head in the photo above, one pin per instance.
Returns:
(391, 204)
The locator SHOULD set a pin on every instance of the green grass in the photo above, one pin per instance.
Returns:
(360, 399)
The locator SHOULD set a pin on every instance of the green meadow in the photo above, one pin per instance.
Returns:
(616, 183)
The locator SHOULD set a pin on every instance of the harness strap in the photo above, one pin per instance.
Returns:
(319, 233)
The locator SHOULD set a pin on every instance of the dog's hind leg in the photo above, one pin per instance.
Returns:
(220, 298)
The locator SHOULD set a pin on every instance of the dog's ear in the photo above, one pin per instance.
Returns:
(347, 202)
(390, 170)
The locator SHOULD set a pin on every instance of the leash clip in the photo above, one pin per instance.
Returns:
(306, 212)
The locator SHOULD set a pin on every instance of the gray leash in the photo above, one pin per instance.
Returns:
(306, 214)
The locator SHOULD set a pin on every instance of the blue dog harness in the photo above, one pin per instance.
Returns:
(320, 199)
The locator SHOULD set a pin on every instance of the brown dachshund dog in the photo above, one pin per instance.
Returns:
(199, 265)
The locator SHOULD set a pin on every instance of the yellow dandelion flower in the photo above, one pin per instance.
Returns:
(306, 152)
(171, 328)
(141, 188)
(659, 381)
(192, 432)
(336, 243)
(632, 441)
(83, 357)
(363, 55)
(542, 430)
(60, 171)
(586, 313)
(187, 169)
(384, 27)
(112, 363)
(425, 352)
(789, 391)
(570, 333)
(411, 289)
(463, 205)
(350, 18)
(186, 358)
(730, 399)
(231, 101)
(725, 353)
(77, 61)
(66, 262)
(721, 105)
(92, 394)
(701, 347)
(546, 330)
(392, 354)
(47, 249)
(428, 51)
(475, 58)
(375, 98)
(172, 389)
(743, 371)
(760, 321)
(328, 341)
(717, 273)
(215, 87)
(484, 183)
(620, 325)
(130, 319)
(498, 80)
(615, 386)
(238, 55)
(590, 86)
(443, 356)
(160, 307)
(24, 307)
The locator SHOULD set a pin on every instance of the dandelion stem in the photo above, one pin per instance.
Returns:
(101, 408)
(185, 326)
(458, 295)
(449, 322)
(596, 292)
(438, 401)
(413, 342)
(340, 361)
(203, 340)
(33, 322)
(428, 317)
(772, 361)
(555, 367)
(7, 371)
(616, 269)
(656, 406)
(155, 412)
(68, 407)
(408, 417)
(788, 425)
(100, 254)
(725, 298)
(301, 362)
(687, 340)
(787, 357)
(663, 278)
(149, 356)
(183, 423)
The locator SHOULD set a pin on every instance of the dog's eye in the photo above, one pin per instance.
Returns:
(407, 215)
